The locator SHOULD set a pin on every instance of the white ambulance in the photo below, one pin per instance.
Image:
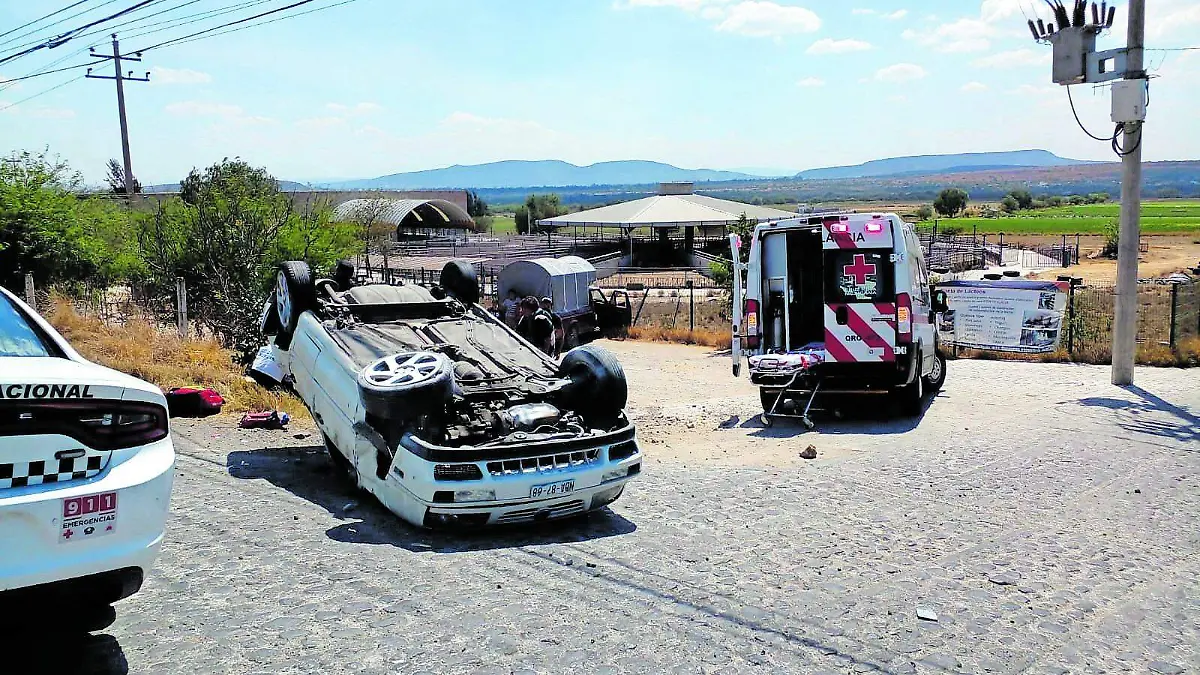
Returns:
(836, 304)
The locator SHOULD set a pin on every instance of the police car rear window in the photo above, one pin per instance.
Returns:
(17, 336)
(858, 276)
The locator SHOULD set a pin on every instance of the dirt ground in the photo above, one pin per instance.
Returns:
(1166, 256)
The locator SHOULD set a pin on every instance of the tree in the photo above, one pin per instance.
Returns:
(537, 207)
(924, 212)
(476, 207)
(951, 201)
(1023, 198)
(376, 235)
(221, 235)
(116, 179)
(1009, 204)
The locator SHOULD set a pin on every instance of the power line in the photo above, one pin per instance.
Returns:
(178, 22)
(67, 36)
(41, 73)
(39, 20)
(1173, 49)
(225, 25)
(41, 93)
(50, 25)
(1080, 122)
(263, 23)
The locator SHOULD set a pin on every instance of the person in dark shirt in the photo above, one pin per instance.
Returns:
(556, 320)
(535, 326)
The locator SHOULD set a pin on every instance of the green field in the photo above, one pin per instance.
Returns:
(1166, 217)
(503, 225)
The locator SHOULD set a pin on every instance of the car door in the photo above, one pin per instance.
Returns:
(924, 328)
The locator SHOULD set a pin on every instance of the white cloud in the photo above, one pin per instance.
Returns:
(891, 16)
(364, 108)
(759, 18)
(203, 109)
(896, 15)
(900, 72)
(974, 87)
(811, 82)
(168, 76)
(830, 46)
(1015, 58)
(998, 10)
(963, 35)
(755, 18)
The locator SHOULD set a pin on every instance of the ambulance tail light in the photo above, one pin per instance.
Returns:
(839, 228)
(904, 332)
(874, 227)
(752, 326)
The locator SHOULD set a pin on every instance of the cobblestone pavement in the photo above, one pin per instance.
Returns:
(1050, 528)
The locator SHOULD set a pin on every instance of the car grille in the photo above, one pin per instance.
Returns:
(564, 460)
(556, 511)
(21, 474)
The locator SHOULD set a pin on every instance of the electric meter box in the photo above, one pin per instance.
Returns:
(1129, 101)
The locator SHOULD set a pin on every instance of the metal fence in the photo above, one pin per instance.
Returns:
(1167, 315)
(959, 251)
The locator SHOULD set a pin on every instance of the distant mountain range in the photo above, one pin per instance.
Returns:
(544, 173)
(928, 164)
(523, 174)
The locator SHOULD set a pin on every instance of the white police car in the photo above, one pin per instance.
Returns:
(86, 467)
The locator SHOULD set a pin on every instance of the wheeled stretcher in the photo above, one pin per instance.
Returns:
(799, 365)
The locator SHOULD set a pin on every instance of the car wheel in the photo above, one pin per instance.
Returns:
(912, 396)
(937, 374)
(405, 385)
(294, 294)
(459, 280)
(598, 386)
(268, 320)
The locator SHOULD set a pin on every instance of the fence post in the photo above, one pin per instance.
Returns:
(1071, 321)
(30, 292)
(691, 306)
(181, 309)
(1174, 310)
(1077, 249)
(1066, 253)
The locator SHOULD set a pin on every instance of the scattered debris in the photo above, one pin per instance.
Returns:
(809, 453)
(268, 419)
(926, 614)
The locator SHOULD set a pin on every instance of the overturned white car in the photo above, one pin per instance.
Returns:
(440, 410)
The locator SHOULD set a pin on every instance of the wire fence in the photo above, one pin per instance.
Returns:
(1167, 314)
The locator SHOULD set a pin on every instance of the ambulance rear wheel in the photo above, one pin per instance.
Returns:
(912, 395)
(937, 374)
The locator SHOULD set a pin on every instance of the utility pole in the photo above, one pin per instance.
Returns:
(1124, 348)
(1076, 61)
(121, 79)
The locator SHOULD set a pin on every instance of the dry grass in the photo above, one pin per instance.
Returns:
(1186, 354)
(164, 359)
(704, 336)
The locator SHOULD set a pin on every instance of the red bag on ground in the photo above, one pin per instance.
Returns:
(189, 402)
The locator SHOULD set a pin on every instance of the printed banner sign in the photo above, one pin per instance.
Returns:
(1005, 316)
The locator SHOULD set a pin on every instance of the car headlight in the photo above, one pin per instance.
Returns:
(474, 496)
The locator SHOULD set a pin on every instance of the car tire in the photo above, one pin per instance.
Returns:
(598, 387)
(912, 395)
(295, 293)
(937, 376)
(460, 281)
(268, 321)
(388, 393)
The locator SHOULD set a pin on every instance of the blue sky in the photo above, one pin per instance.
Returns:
(381, 86)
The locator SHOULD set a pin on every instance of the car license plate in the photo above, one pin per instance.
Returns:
(88, 516)
(562, 487)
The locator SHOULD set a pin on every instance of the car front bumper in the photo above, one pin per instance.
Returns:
(503, 492)
(37, 555)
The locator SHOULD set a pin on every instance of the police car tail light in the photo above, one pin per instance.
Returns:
(116, 425)
(903, 318)
(752, 334)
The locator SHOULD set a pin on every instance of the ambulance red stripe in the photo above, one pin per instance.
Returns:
(835, 350)
(842, 239)
(864, 330)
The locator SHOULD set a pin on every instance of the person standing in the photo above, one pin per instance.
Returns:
(508, 308)
(556, 321)
(535, 326)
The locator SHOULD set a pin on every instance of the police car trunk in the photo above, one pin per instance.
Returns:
(821, 297)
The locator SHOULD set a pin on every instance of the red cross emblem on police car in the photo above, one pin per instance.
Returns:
(859, 269)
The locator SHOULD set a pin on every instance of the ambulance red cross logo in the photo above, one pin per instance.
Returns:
(859, 269)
